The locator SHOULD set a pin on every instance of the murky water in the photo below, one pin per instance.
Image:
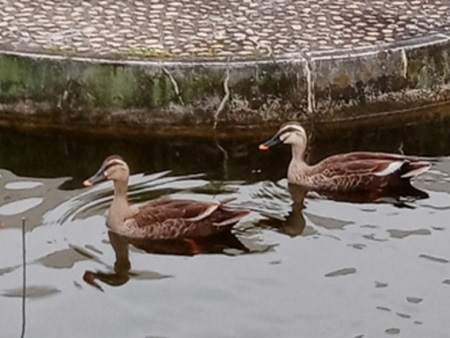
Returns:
(294, 267)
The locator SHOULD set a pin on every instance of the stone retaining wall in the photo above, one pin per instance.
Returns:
(154, 94)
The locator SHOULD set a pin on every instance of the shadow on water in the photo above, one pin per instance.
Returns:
(224, 243)
(234, 158)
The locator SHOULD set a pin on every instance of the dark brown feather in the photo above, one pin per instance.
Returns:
(362, 171)
(167, 218)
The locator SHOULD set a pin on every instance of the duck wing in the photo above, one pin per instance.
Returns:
(362, 156)
(356, 167)
(161, 210)
(169, 219)
(361, 171)
(380, 164)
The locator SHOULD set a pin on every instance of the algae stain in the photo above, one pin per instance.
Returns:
(423, 76)
(195, 87)
(22, 78)
(13, 78)
(260, 78)
(155, 95)
(111, 85)
(187, 93)
(169, 92)
(154, 90)
(434, 70)
(445, 65)
(146, 53)
(342, 81)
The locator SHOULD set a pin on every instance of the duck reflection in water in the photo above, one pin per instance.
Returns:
(358, 177)
(216, 244)
(295, 222)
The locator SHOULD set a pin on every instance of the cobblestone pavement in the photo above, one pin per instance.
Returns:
(213, 28)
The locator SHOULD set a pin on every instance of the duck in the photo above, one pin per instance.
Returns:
(162, 218)
(352, 172)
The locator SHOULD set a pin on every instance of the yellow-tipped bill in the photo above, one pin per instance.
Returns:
(99, 177)
(274, 141)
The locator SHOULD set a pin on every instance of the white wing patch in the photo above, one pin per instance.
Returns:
(391, 168)
(206, 213)
(228, 221)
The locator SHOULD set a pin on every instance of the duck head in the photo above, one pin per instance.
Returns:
(289, 133)
(113, 168)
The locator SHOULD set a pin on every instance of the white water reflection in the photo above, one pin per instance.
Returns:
(19, 207)
(333, 269)
(23, 185)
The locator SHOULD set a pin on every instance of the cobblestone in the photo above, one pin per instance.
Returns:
(206, 28)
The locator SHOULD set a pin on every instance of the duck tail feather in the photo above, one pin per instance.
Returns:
(236, 217)
(227, 200)
(416, 168)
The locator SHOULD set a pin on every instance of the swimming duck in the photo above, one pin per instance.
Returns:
(163, 218)
(350, 172)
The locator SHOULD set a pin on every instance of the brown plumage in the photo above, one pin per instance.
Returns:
(351, 172)
(162, 218)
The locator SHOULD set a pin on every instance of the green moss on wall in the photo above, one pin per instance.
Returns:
(428, 67)
(22, 78)
(109, 85)
(201, 83)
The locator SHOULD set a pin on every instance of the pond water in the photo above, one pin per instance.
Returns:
(314, 267)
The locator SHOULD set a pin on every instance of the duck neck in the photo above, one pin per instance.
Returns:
(120, 191)
(298, 153)
(298, 168)
(119, 209)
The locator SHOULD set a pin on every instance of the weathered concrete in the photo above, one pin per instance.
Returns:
(251, 61)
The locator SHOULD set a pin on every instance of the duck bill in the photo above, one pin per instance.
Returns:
(274, 141)
(96, 179)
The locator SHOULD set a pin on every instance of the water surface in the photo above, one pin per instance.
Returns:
(295, 267)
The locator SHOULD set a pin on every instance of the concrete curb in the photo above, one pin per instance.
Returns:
(75, 92)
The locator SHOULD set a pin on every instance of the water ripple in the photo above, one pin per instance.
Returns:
(21, 206)
(23, 185)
